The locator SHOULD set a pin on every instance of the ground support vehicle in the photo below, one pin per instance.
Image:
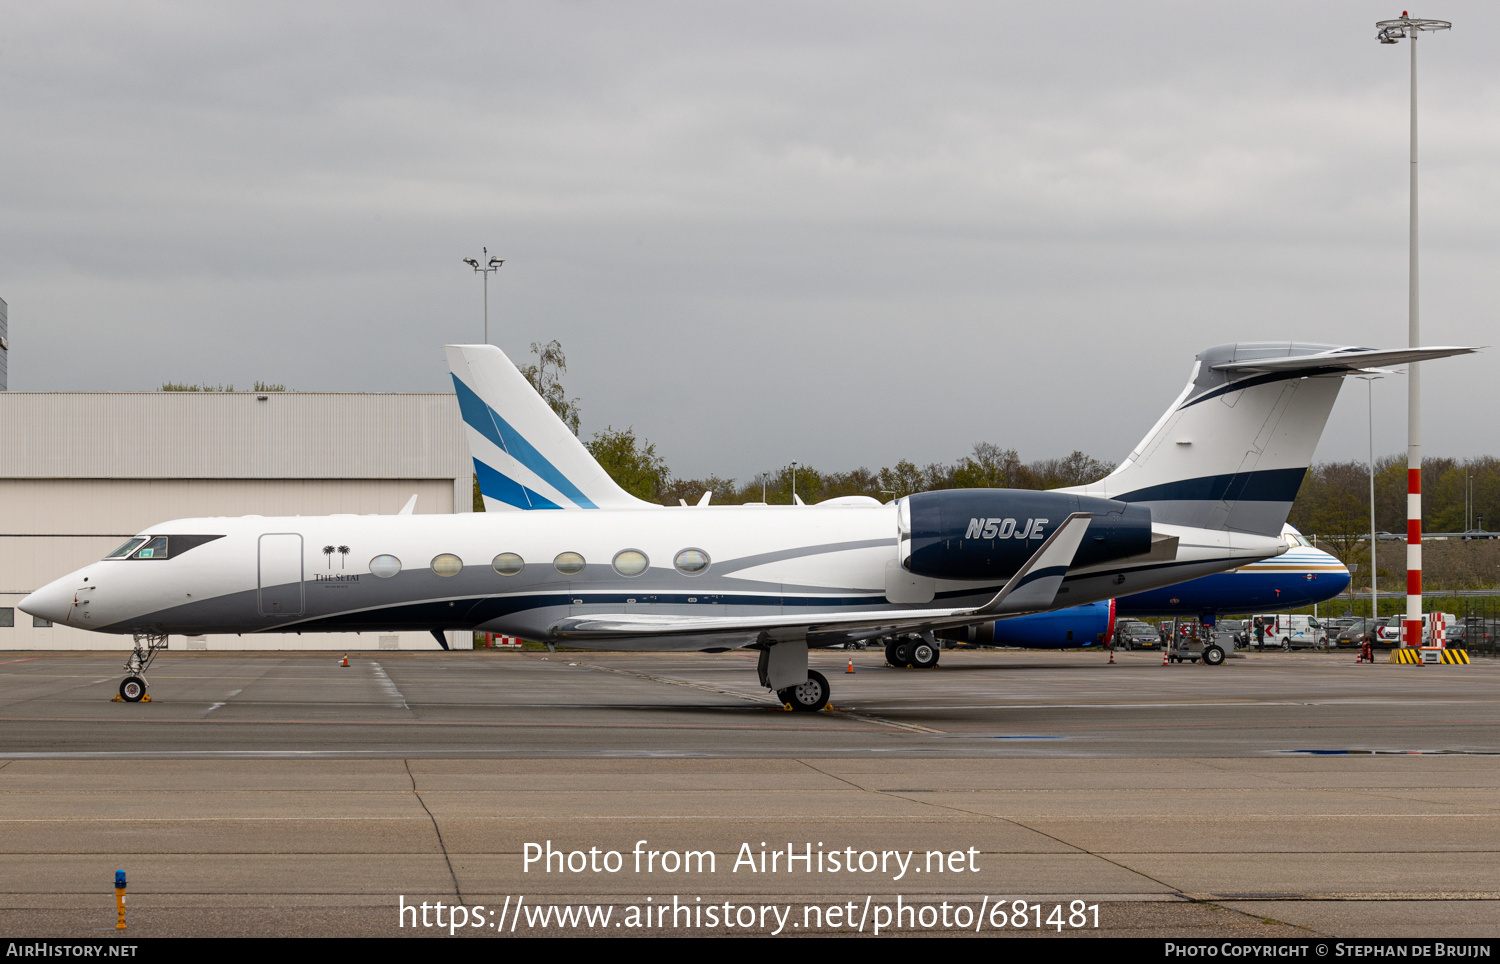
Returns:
(1212, 650)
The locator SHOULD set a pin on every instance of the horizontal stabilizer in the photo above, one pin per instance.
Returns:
(1342, 360)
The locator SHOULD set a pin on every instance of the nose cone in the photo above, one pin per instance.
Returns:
(53, 601)
(1339, 578)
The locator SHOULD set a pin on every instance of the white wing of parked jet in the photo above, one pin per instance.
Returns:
(1032, 589)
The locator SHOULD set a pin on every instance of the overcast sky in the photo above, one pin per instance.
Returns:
(837, 233)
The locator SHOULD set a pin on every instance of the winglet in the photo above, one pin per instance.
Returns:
(1034, 586)
(410, 507)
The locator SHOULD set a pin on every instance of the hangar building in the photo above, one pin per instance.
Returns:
(82, 471)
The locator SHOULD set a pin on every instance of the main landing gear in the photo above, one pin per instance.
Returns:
(133, 687)
(918, 652)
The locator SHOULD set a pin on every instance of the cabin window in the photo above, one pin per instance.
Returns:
(568, 563)
(631, 562)
(691, 561)
(447, 564)
(508, 564)
(385, 566)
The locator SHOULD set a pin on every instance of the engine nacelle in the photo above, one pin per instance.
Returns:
(990, 533)
(1087, 625)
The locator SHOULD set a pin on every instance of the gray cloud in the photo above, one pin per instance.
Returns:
(836, 233)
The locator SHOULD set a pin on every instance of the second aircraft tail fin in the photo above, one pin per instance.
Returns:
(1231, 452)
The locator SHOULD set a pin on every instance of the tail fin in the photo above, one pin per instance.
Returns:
(1232, 450)
(524, 456)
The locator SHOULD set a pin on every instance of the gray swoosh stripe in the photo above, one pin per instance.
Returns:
(760, 559)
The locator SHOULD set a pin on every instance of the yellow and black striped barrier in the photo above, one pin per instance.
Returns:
(1405, 654)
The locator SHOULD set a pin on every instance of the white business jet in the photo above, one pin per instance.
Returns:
(1207, 490)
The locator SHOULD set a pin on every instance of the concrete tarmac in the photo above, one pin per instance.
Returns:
(1295, 795)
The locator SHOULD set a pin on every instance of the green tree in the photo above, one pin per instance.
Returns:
(1334, 504)
(1076, 468)
(903, 478)
(545, 375)
(690, 491)
(989, 467)
(631, 462)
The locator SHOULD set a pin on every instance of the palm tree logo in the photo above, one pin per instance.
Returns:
(343, 557)
(328, 551)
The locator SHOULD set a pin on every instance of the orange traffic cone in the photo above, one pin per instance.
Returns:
(1164, 656)
(346, 660)
(851, 666)
(1111, 656)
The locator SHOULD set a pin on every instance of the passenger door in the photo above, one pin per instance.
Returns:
(280, 574)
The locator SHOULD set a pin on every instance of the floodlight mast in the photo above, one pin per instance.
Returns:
(1407, 27)
(1370, 381)
(490, 266)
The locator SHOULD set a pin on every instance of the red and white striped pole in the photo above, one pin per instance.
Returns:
(1409, 28)
(1413, 634)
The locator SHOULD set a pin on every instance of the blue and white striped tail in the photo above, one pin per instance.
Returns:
(524, 456)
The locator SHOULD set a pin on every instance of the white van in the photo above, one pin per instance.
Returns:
(1389, 633)
(1286, 631)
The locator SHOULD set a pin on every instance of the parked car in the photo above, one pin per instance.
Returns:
(1238, 629)
(1134, 634)
(1352, 635)
(1333, 627)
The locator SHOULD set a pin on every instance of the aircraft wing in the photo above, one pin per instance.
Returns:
(1032, 589)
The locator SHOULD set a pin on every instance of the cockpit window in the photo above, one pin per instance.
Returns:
(130, 546)
(159, 547)
(155, 549)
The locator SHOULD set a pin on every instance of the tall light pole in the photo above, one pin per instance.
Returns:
(1370, 381)
(488, 268)
(794, 483)
(1409, 28)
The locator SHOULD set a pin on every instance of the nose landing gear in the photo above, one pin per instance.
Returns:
(133, 687)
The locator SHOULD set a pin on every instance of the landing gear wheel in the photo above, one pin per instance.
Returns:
(924, 655)
(898, 653)
(1213, 656)
(132, 688)
(810, 697)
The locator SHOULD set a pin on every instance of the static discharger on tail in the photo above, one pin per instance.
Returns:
(569, 557)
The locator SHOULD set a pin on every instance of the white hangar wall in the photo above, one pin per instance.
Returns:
(81, 472)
